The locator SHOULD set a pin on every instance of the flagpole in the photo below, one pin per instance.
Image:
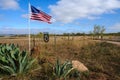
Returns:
(29, 14)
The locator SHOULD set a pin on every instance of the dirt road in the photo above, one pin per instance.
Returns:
(117, 43)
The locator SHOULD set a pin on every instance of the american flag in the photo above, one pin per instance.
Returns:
(39, 15)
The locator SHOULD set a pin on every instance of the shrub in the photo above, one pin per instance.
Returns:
(61, 71)
(14, 61)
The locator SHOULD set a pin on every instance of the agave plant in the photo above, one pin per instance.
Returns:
(61, 71)
(14, 61)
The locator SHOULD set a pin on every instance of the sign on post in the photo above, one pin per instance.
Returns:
(46, 36)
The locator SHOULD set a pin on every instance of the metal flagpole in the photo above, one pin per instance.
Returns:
(29, 14)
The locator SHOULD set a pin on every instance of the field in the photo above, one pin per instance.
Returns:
(101, 58)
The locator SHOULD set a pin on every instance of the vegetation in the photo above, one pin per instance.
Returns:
(101, 58)
(61, 71)
(113, 34)
(98, 31)
(14, 61)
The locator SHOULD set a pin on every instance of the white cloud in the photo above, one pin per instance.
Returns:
(115, 28)
(25, 15)
(52, 20)
(69, 10)
(9, 4)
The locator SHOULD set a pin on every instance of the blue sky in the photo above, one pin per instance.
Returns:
(67, 16)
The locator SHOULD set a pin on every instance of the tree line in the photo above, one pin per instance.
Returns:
(97, 32)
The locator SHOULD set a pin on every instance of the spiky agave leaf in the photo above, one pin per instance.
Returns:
(10, 59)
(8, 69)
(22, 62)
(30, 64)
(25, 63)
(13, 60)
(58, 68)
(67, 72)
(62, 70)
(64, 66)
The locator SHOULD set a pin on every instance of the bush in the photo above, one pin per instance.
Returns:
(14, 61)
(61, 71)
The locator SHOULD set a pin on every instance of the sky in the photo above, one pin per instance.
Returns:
(68, 16)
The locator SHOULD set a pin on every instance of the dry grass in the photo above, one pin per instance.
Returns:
(101, 58)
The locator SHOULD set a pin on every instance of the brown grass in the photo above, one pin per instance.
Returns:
(101, 58)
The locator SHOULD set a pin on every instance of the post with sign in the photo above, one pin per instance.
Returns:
(46, 38)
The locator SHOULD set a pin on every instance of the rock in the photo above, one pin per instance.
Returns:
(79, 66)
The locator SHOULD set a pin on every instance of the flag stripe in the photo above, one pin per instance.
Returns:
(39, 15)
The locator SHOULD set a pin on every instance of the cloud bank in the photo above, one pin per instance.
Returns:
(69, 10)
(115, 28)
(9, 4)
(10, 30)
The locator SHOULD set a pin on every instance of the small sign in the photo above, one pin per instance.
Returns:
(46, 36)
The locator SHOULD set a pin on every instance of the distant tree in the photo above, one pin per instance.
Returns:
(40, 34)
(98, 31)
(78, 34)
(102, 31)
(91, 34)
(65, 34)
(73, 34)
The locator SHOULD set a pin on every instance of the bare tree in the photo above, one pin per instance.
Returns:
(102, 31)
(98, 31)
